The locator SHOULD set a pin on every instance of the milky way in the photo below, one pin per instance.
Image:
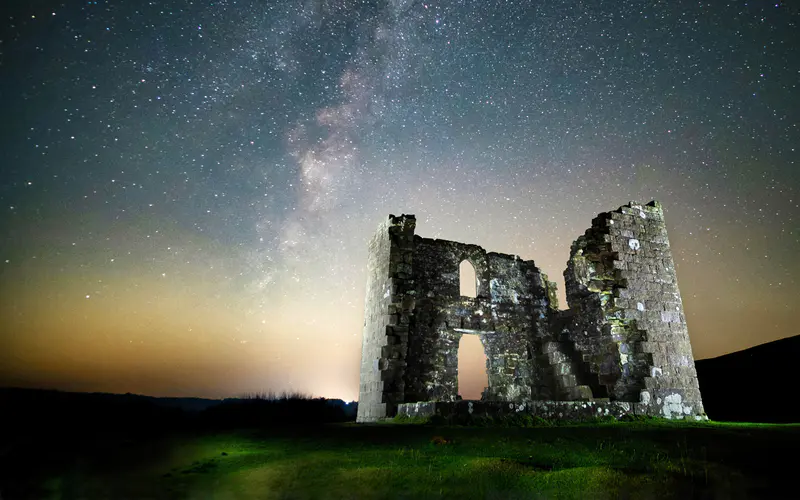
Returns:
(187, 189)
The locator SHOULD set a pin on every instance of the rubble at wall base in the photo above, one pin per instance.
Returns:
(571, 411)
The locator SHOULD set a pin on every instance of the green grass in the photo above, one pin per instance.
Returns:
(650, 459)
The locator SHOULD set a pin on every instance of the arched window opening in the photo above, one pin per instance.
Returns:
(472, 377)
(468, 280)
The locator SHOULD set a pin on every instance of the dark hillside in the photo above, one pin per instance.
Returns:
(51, 414)
(754, 385)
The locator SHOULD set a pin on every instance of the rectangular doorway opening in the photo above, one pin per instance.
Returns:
(472, 376)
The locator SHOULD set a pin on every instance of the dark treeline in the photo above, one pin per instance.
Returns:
(270, 409)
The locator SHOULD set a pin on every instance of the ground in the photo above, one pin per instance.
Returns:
(601, 460)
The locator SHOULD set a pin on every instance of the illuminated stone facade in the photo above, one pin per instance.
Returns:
(622, 342)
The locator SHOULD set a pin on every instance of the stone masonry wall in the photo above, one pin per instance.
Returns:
(501, 315)
(388, 308)
(628, 320)
(623, 340)
(575, 411)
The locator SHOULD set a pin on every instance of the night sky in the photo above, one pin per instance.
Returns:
(187, 188)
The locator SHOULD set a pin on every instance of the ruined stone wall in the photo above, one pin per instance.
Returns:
(387, 312)
(627, 317)
(565, 375)
(501, 315)
(520, 308)
(623, 339)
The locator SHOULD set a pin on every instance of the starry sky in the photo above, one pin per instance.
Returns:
(187, 188)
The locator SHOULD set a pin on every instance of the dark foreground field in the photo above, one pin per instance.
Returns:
(604, 460)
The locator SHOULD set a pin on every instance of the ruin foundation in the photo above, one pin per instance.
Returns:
(622, 346)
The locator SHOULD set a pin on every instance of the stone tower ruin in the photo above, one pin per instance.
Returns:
(622, 347)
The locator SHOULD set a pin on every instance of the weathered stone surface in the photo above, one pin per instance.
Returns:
(624, 337)
(577, 411)
(626, 315)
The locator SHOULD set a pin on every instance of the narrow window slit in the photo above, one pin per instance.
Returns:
(468, 281)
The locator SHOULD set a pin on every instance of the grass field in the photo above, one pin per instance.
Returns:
(605, 460)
